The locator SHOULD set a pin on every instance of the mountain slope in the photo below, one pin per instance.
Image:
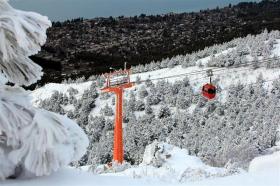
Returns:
(166, 104)
(89, 47)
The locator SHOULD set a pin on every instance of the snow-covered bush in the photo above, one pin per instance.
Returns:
(33, 142)
(107, 111)
(155, 154)
(142, 93)
(164, 111)
(55, 102)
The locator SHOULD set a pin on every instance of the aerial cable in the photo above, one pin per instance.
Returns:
(217, 69)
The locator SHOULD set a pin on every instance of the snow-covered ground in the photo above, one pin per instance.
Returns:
(73, 177)
(260, 174)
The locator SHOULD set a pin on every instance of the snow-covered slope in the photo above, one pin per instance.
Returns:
(72, 177)
(174, 170)
(259, 175)
(225, 78)
(46, 91)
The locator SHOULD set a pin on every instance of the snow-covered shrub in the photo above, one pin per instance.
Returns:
(55, 103)
(107, 111)
(139, 105)
(171, 164)
(148, 110)
(33, 141)
(142, 92)
(164, 111)
(155, 154)
(30, 136)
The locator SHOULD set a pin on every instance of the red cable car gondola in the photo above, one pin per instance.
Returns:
(209, 90)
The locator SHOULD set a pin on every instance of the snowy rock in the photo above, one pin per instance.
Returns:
(156, 154)
(110, 168)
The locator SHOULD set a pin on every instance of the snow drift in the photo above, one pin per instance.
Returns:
(172, 164)
(157, 151)
(266, 163)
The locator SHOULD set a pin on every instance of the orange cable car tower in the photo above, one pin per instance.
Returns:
(116, 82)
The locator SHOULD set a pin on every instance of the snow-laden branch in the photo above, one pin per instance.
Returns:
(32, 141)
(21, 34)
(35, 140)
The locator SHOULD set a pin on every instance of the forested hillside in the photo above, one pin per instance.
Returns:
(77, 48)
(166, 105)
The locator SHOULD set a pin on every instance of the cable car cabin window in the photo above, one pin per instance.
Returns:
(211, 91)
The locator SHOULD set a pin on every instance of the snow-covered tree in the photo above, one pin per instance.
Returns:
(55, 103)
(164, 111)
(107, 111)
(85, 105)
(142, 92)
(139, 105)
(33, 141)
(148, 109)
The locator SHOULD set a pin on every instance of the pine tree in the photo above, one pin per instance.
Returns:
(142, 92)
(139, 105)
(107, 111)
(148, 109)
(164, 111)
